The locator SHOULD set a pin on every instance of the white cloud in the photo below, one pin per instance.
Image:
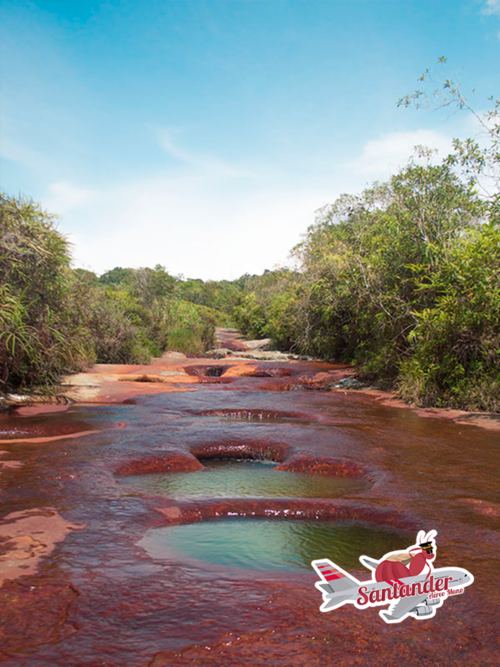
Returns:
(209, 219)
(198, 161)
(492, 7)
(384, 156)
(201, 217)
(192, 224)
(20, 154)
(64, 196)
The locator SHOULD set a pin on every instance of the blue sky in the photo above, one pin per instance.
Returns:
(204, 135)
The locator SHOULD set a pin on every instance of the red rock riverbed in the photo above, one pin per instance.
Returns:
(80, 591)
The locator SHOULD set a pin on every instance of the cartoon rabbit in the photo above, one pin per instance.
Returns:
(400, 564)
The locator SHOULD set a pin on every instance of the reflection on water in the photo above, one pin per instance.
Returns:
(263, 544)
(13, 427)
(244, 479)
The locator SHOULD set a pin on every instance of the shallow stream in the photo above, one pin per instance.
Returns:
(212, 566)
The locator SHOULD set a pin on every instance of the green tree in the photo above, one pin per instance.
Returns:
(116, 276)
(478, 159)
(39, 335)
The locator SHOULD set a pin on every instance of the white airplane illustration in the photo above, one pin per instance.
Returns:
(418, 596)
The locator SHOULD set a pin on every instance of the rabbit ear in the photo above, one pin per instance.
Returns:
(430, 535)
(420, 537)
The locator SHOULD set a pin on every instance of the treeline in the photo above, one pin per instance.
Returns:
(55, 319)
(404, 279)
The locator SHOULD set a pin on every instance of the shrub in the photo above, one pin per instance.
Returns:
(455, 347)
(39, 336)
(189, 328)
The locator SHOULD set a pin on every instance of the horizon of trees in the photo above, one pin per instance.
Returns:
(402, 280)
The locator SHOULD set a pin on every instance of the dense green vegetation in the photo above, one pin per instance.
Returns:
(40, 336)
(55, 319)
(402, 280)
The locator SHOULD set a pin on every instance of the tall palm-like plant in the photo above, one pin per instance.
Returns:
(39, 336)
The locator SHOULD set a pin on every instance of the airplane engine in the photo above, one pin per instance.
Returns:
(423, 610)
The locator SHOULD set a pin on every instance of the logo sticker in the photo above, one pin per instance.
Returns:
(405, 580)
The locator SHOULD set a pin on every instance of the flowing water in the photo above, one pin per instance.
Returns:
(212, 566)
(244, 479)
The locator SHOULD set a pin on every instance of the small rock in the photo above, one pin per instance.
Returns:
(173, 373)
(174, 355)
(218, 353)
(349, 383)
(261, 344)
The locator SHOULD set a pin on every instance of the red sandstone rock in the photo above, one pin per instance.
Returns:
(269, 372)
(234, 449)
(316, 509)
(215, 380)
(484, 507)
(252, 414)
(169, 462)
(206, 370)
(323, 466)
(30, 535)
(38, 614)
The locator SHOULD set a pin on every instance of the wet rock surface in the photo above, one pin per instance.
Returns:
(97, 597)
(39, 426)
(242, 449)
(323, 465)
(170, 462)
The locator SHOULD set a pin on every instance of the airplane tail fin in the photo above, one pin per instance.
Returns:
(370, 563)
(334, 579)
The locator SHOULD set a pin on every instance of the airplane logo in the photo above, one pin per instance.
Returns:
(406, 580)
